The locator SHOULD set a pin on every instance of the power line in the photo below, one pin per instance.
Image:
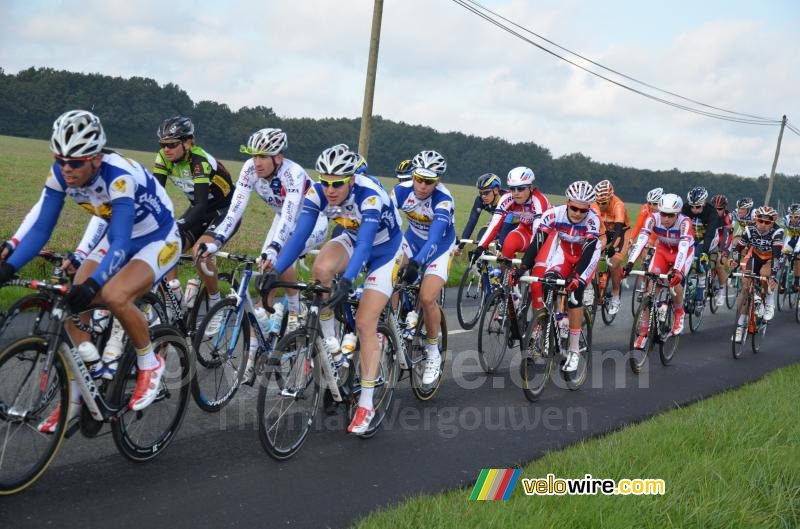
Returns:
(744, 120)
(615, 71)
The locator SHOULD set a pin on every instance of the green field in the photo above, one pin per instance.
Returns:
(727, 462)
(24, 164)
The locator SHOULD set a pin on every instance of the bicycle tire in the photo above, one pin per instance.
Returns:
(638, 357)
(636, 295)
(420, 391)
(220, 365)
(11, 484)
(291, 371)
(608, 318)
(738, 348)
(711, 292)
(37, 301)
(194, 317)
(577, 378)
(494, 309)
(758, 336)
(731, 292)
(536, 369)
(175, 388)
(466, 321)
(668, 343)
(695, 321)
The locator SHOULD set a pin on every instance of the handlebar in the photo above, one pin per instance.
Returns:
(649, 274)
(544, 280)
(53, 257)
(501, 259)
(239, 257)
(36, 284)
(315, 288)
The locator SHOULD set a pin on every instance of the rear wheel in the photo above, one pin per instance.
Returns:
(427, 391)
(493, 331)
(575, 379)
(470, 298)
(288, 395)
(142, 435)
(25, 453)
(737, 348)
(696, 316)
(667, 343)
(638, 357)
(538, 358)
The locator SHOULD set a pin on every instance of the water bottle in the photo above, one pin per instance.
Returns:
(342, 360)
(349, 343)
(359, 292)
(411, 323)
(494, 273)
(516, 297)
(91, 357)
(662, 311)
(759, 308)
(192, 287)
(262, 317)
(277, 318)
(563, 325)
(588, 296)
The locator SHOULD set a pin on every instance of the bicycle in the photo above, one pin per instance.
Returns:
(693, 310)
(601, 291)
(290, 382)
(503, 319)
(658, 322)
(35, 374)
(476, 286)
(756, 325)
(733, 285)
(411, 352)
(713, 285)
(639, 289)
(545, 340)
(786, 296)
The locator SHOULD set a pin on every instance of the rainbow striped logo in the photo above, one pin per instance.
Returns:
(495, 484)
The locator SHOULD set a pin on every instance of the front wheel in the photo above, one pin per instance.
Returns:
(288, 395)
(470, 298)
(667, 342)
(575, 379)
(142, 435)
(493, 332)
(426, 391)
(24, 452)
(538, 358)
(642, 320)
(637, 293)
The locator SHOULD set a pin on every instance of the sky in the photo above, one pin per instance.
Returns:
(441, 66)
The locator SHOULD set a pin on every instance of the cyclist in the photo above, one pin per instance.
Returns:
(705, 221)
(427, 244)
(674, 254)
(526, 204)
(372, 237)
(791, 241)
(206, 184)
(489, 193)
(741, 217)
(403, 171)
(722, 242)
(765, 238)
(573, 258)
(650, 206)
(361, 168)
(141, 245)
(615, 218)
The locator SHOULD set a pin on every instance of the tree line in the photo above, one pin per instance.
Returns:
(131, 110)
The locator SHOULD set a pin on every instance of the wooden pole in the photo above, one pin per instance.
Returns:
(774, 164)
(369, 88)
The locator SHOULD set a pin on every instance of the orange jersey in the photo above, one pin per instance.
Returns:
(596, 209)
(615, 212)
(643, 214)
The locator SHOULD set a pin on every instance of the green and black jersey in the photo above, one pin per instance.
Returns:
(203, 179)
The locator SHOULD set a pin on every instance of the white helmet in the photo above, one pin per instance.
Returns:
(520, 176)
(266, 142)
(77, 134)
(654, 195)
(670, 203)
(581, 192)
(338, 160)
(430, 160)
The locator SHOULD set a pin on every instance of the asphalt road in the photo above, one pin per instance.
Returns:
(217, 475)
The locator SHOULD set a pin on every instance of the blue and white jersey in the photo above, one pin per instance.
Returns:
(366, 199)
(422, 212)
(120, 177)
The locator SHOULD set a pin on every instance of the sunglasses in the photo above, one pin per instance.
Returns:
(75, 163)
(578, 210)
(518, 188)
(668, 215)
(603, 202)
(697, 207)
(762, 221)
(720, 209)
(336, 184)
(427, 181)
(653, 204)
(169, 144)
(486, 193)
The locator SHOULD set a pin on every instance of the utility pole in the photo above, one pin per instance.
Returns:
(774, 163)
(369, 88)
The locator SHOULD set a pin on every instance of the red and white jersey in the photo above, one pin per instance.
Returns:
(572, 237)
(679, 237)
(525, 214)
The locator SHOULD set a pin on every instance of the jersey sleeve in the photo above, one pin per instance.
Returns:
(93, 234)
(161, 167)
(641, 239)
(241, 196)
(685, 245)
(497, 220)
(28, 221)
(293, 181)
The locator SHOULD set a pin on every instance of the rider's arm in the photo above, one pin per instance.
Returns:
(497, 220)
(644, 213)
(474, 215)
(370, 221)
(161, 168)
(641, 240)
(241, 196)
(293, 182)
(777, 251)
(544, 229)
(711, 220)
(30, 218)
(93, 234)
(616, 236)
(297, 242)
(120, 229)
(42, 227)
(442, 217)
(685, 244)
(589, 258)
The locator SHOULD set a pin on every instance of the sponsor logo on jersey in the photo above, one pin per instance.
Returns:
(371, 201)
(167, 253)
(119, 185)
(103, 210)
(372, 279)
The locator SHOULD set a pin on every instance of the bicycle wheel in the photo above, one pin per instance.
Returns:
(221, 361)
(781, 303)
(738, 348)
(608, 318)
(153, 308)
(142, 435)
(421, 391)
(596, 300)
(493, 331)
(667, 342)
(387, 380)
(711, 292)
(25, 453)
(638, 357)
(731, 292)
(637, 293)
(760, 328)
(696, 316)
(201, 307)
(288, 394)
(576, 378)
(470, 298)
(538, 357)
(25, 317)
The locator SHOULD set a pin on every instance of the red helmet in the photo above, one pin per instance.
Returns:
(719, 202)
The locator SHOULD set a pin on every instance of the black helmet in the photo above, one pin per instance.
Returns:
(488, 181)
(177, 127)
(744, 203)
(697, 196)
(404, 168)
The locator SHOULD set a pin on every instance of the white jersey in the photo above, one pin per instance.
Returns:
(573, 236)
(283, 192)
(421, 212)
(678, 237)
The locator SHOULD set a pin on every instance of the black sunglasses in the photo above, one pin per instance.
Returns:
(578, 210)
(518, 188)
(169, 144)
(76, 163)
